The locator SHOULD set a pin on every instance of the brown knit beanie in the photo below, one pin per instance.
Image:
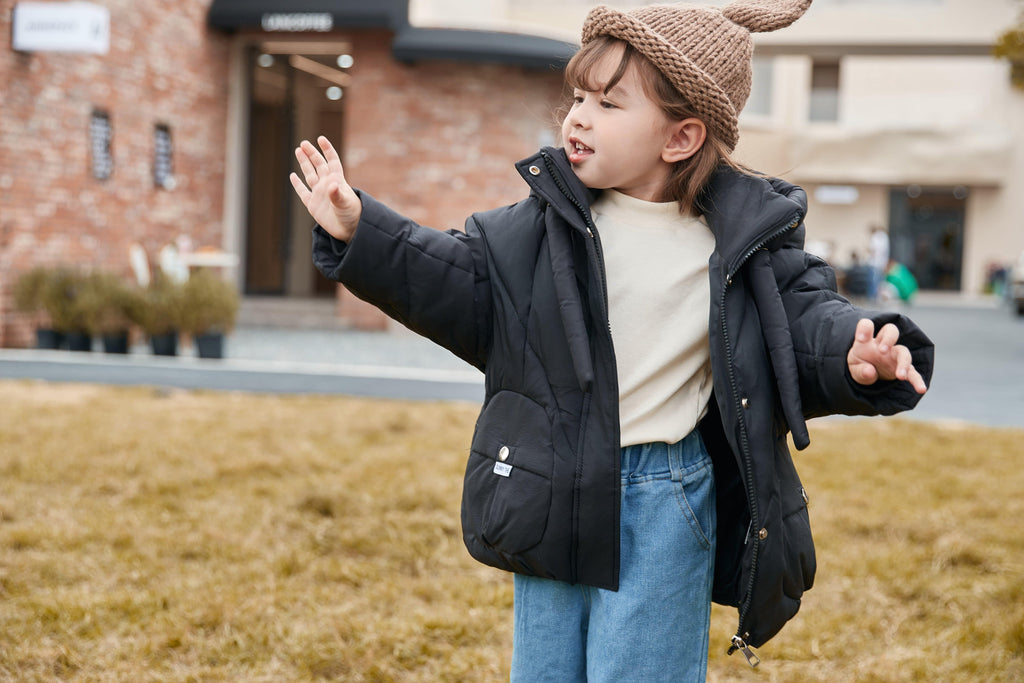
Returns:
(705, 52)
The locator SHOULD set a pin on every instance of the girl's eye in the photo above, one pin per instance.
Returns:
(607, 105)
(578, 99)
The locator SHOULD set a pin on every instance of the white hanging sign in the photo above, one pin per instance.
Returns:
(297, 22)
(61, 27)
(836, 194)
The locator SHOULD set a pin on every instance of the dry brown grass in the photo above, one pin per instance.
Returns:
(148, 535)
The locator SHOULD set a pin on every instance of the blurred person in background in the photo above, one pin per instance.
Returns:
(878, 259)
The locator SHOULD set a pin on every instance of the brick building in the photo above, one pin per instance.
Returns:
(61, 201)
(181, 131)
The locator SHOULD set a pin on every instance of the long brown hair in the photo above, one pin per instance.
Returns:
(688, 177)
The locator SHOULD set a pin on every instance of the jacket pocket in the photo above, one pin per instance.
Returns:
(506, 495)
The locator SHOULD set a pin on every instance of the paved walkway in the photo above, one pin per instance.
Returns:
(394, 364)
(979, 376)
(396, 347)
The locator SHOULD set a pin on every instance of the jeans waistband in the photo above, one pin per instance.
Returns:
(659, 460)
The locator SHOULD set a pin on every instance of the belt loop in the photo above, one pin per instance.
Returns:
(675, 458)
(627, 461)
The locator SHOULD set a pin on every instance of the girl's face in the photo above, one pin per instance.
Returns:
(616, 140)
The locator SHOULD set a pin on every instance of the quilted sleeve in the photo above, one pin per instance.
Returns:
(433, 282)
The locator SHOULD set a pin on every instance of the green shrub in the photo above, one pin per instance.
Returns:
(210, 303)
(160, 309)
(30, 289)
(49, 293)
(1010, 46)
(107, 303)
(61, 300)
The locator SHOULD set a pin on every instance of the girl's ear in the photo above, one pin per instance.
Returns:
(686, 137)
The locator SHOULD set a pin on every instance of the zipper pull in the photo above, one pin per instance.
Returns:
(741, 645)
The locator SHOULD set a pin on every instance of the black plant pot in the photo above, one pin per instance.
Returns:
(79, 341)
(164, 344)
(49, 339)
(210, 345)
(116, 342)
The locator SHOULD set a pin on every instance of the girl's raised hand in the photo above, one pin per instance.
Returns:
(873, 357)
(329, 199)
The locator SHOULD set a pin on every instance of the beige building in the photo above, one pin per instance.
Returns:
(888, 112)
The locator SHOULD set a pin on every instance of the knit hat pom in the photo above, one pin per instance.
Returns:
(762, 16)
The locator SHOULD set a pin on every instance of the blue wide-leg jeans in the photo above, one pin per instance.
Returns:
(655, 627)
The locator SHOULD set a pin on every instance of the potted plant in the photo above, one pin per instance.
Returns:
(209, 312)
(61, 300)
(159, 314)
(108, 304)
(76, 329)
(30, 296)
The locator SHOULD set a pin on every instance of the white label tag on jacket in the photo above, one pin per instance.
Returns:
(502, 468)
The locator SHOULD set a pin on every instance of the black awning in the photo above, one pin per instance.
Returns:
(410, 44)
(417, 44)
(307, 15)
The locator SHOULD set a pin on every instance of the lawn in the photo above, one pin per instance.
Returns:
(156, 535)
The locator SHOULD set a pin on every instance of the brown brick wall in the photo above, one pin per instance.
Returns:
(438, 140)
(164, 67)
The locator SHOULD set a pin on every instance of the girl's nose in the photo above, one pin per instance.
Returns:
(576, 117)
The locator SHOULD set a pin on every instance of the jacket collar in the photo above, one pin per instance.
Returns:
(744, 211)
(550, 176)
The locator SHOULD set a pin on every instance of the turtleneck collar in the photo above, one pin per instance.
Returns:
(620, 207)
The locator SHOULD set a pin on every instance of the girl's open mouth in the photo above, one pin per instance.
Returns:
(577, 151)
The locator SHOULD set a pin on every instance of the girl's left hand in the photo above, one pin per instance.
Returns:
(873, 357)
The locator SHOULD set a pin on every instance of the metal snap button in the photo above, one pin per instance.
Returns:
(503, 453)
(745, 402)
(762, 534)
(534, 170)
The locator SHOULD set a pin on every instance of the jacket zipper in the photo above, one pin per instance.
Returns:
(595, 241)
(739, 640)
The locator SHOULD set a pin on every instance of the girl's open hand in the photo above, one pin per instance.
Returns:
(873, 357)
(329, 199)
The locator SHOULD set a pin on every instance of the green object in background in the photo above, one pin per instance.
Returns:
(900, 277)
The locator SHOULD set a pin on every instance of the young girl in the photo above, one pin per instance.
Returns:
(650, 330)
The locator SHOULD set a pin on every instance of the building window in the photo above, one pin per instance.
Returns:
(824, 91)
(760, 101)
(101, 134)
(163, 158)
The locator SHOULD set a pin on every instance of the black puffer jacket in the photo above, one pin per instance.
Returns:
(521, 295)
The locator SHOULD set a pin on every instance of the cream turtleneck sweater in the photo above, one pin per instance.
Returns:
(659, 302)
